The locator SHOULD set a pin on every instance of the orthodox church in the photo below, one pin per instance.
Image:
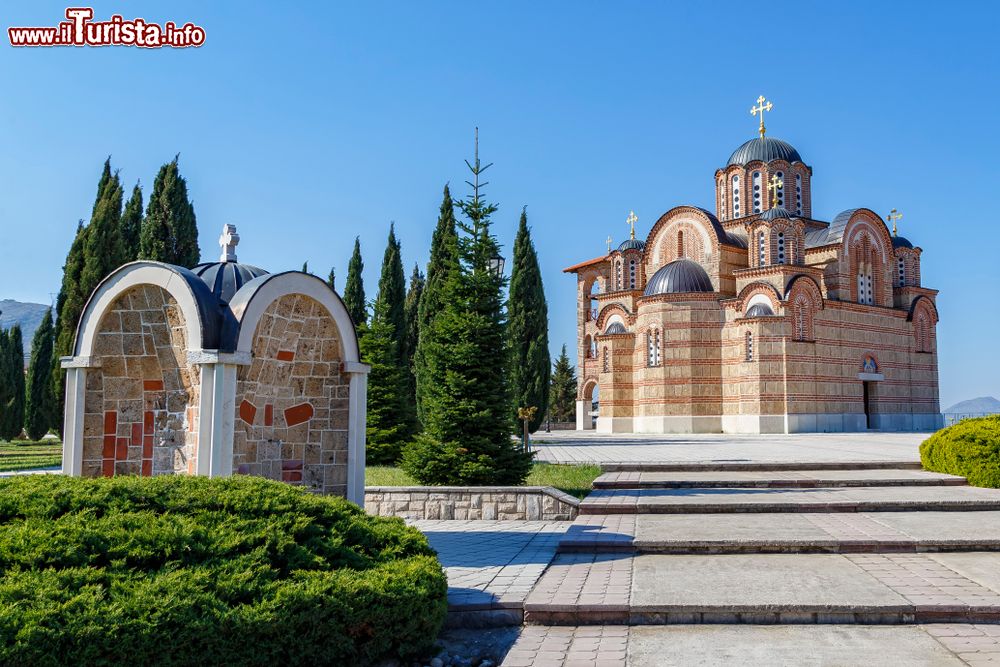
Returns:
(757, 317)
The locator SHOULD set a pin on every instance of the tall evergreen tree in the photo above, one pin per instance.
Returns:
(305, 266)
(11, 383)
(169, 231)
(528, 329)
(443, 261)
(412, 336)
(354, 288)
(39, 410)
(331, 280)
(69, 308)
(102, 251)
(466, 411)
(392, 290)
(562, 395)
(131, 226)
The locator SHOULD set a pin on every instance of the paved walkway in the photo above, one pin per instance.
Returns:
(593, 447)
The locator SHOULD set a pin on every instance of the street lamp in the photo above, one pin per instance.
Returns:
(496, 266)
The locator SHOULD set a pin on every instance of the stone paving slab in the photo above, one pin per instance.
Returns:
(974, 644)
(773, 479)
(585, 588)
(592, 646)
(842, 499)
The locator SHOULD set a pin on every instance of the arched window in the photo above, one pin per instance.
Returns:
(605, 364)
(631, 274)
(866, 290)
(761, 249)
(802, 318)
(736, 196)
(779, 194)
(618, 274)
(781, 248)
(680, 244)
(901, 265)
(798, 193)
(591, 346)
(756, 192)
(721, 198)
(653, 347)
(748, 347)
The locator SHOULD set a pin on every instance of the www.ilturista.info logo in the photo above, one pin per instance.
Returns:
(80, 30)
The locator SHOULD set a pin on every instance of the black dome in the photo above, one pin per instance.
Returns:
(631, 244)
(615, 328)
(775, 213)
(225, 278)
(680, 275)
(759, 310)
(901, 242)
(765, 149)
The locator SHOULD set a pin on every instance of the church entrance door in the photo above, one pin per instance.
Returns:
(868, 403)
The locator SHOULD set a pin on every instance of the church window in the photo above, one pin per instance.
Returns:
(736, 196)
(631, 274)
(653, 345)
(798, 193)
(605, 364)
(902, 271)
(761, 245)
(865, 292)
(591, 345)
(779, 192)
(748, 347)
(618, 275)
(781, 247)
(756, 192)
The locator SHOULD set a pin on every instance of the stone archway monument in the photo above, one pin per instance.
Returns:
(221, 369)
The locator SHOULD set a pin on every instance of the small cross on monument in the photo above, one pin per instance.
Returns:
(608, 241)
(773, 186)
(761, 108)
(893, 216)
(229, 240)
(631, 220)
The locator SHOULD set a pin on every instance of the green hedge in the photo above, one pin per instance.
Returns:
(186, 570)
(970, 448)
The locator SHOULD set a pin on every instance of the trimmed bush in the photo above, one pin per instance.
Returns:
(970, 448)
(189, 570)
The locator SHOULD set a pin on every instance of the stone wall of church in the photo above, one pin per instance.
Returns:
(292, 400)
(141, 404)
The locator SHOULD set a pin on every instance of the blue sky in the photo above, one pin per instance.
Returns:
(306, 124)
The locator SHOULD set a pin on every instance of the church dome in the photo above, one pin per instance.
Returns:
(680, 275)
(764, 149)
(901, 242)
(615, 328)
(224, 278)
(775, 213)
(759, 310)
(631, 244)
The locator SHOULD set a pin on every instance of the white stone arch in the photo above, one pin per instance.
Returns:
(763, 299)
(164, 276)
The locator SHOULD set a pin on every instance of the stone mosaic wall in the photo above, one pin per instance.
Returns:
(292, 400)
(502, 503)
(140, 415)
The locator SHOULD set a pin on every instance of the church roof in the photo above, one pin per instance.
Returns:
(680, 275)
(631, 244)
(224, 278)
(615, 328)
(765, 149)
(759, 310)
(776, 212)
(901, 242)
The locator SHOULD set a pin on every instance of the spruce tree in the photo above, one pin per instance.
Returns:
(443, 261)
(102, 251)
(562, 394)
(131, 226)
(354, 288)
(528, 329)
(169, 231)
(39, 412)
(11, 383)
(412, 336)
(466, 411)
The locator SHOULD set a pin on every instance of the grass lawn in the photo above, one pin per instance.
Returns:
(572, 479)
(25, 454)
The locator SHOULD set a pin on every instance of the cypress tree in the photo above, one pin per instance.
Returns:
(410, 316)
(331, 280)
(169, 231)
(354, 289)
(443, 261)
(131, 226)
(466, 411)
(562, 395)
(392, 289)
(39, 411)
(528, 329)
(305, 266)
(69, 308)
(102, 251)
(11, 383)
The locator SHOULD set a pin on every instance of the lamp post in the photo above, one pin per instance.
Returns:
(496, 264)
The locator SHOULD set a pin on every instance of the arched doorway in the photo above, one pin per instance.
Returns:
(587, 406)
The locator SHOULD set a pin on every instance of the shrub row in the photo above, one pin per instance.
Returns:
(970, 448)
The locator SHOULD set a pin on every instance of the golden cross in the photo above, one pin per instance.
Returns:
(631, 220)
(893, 216)
(761, 108)
(608, 241)
(774, 185)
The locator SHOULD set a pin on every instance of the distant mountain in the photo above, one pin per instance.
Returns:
(981, 405)
(28, 315)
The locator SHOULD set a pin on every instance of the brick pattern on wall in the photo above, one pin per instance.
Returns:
(292, 400)
(141, 413)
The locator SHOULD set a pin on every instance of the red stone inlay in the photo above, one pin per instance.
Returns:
(147, 422)
(298, 414)
(136, 434)
(147, 468)
(291, 476)
(108, 467)
(121, 450)
(247, 412)
(152, 385)
(286, 355)
(147, 448)
(268, 415)
(109, 447)
(110, 422)
(293, 464)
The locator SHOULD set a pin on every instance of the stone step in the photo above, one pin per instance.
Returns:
(844, 499)
(875, 532)
(748, 465)
(774, 479)
(653, 589)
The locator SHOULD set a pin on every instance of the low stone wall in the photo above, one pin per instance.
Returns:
(503, 503)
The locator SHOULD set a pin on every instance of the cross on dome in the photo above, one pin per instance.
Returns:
(762, 106)
(893, 216)
(229, 240)
(631, 220)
